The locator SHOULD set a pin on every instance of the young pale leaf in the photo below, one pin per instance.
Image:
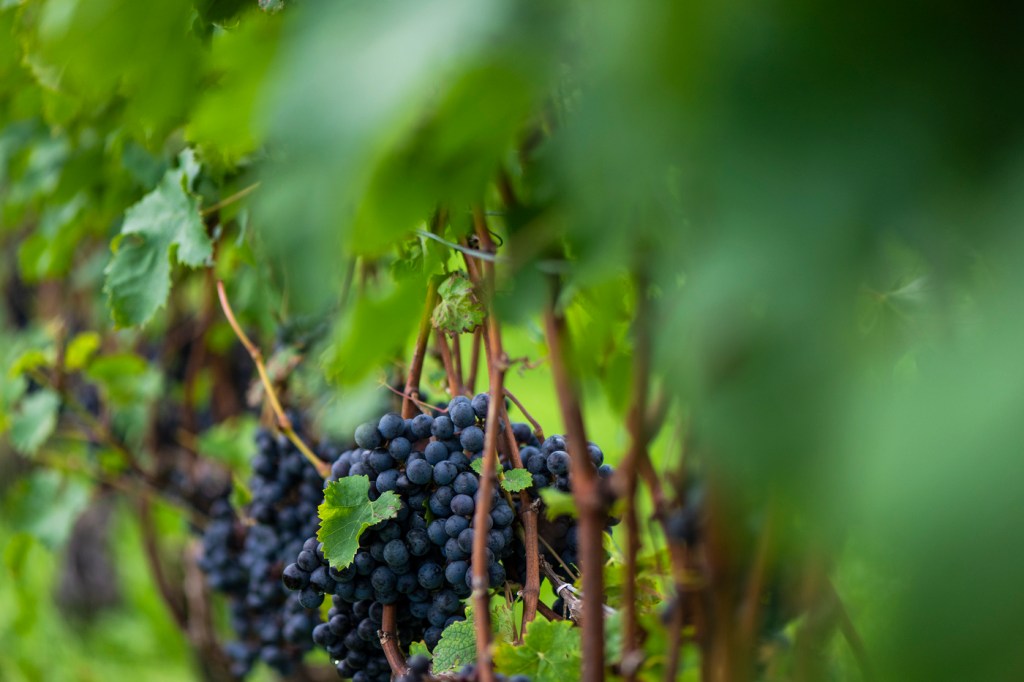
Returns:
(138, 277)
(419, 649)
(550, 653)
(80, 351)
(456, 648)
(457, 311)
(30, 360)
(477, 465)
(346, 512)
(516, 480)
(34, 421)
(558, 503)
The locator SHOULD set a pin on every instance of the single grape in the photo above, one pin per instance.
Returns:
(472, 439)
(391, 426)
(367, 436)
(419, 472)
(480, 404)
(442, 428)
(461, 413)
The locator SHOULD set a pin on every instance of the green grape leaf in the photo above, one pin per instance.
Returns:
(230, 441)
(550, 653)
(346, 512)
(558, 503)
(502, 619)
(516, 480)
(125, 378)
(458, 641)
(477, 465)
(456, 648)
(138, 277)
(80, 350)
(457, 310)
(34, 421)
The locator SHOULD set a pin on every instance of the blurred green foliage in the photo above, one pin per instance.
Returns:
(823, 200)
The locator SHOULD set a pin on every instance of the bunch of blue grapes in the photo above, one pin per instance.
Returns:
(245, 559)
(420, 560)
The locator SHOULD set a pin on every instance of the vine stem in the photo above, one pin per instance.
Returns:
(449, 367)
(474, 360)
(457, 355)
(412, 384)
(528, 516)
(389, 640)
(527, 510)
(632, 654)
(585, 494)
(389, 630)
(283, 422)
(497, 363)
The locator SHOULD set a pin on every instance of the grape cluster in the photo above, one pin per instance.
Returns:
(245, 561)
(421, 559)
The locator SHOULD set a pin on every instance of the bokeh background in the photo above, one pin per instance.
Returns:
(825, 200)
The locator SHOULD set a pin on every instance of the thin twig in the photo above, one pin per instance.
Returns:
(424, 407)
(464, 250)
(548, 612)
(526, 415)
(283, 422)
(240, 194)
(568, 569)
